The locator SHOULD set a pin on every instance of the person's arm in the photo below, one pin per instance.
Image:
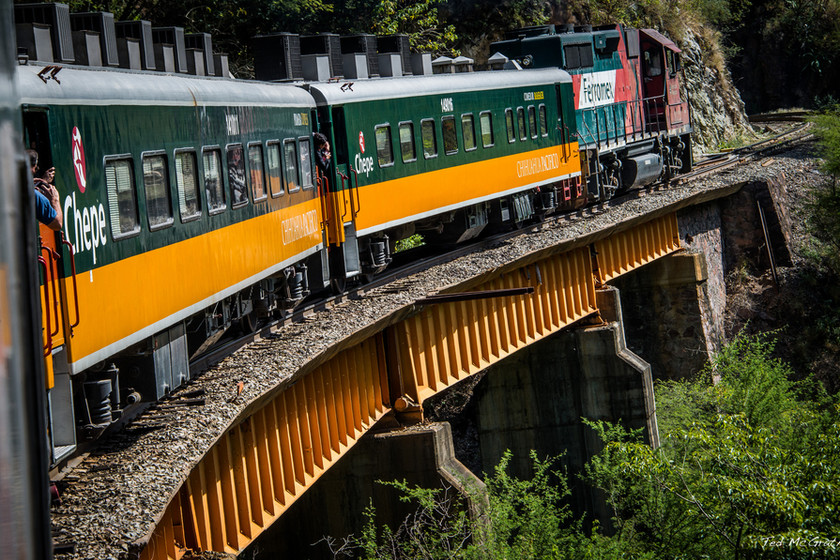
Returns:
(51, 193)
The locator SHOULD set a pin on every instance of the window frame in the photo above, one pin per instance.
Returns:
(433, 122)
(218, 150)
(521, 124)
(489, 115)
(166, 189)
(443, 119)
(180, 191)
(311, 184)
(296, 159)
(471, 118)
(139, 228)
(250, 173)
(532, 122)
(542, 118)
(409, 124)
(376, 129)
(278, 144)
(510, 125)
(241, 204)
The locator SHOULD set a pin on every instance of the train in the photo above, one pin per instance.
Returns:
(196, 204)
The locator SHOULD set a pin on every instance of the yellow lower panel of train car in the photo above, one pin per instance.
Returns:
(425, 194)
(118, 301)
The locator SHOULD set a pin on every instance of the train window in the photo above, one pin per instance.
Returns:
(384, 152)
(275, 179)
(532, 120)
(213, 185)
(578, 56)
(511, 127)
(409, 153)
(543, 121)
(450, 136)
(305, 163)
(427, 131)
(486, 122)
(290, 161)
(156, 185)
(255, 165)
(186, 181)
(236, 176)
(523, 128)
(468, 130)
(122, 199)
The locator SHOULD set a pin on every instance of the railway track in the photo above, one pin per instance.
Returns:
(418, 259)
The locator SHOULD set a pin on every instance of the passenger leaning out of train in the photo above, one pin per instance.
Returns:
(322, 153)
(47, 205)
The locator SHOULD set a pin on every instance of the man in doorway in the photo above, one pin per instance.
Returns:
(47, 205)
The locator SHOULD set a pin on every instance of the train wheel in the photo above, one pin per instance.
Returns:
(338, 285)
(248, 323)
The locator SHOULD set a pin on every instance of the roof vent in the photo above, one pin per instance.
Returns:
(497, 61)
(328, 44)
(35, 40)
(390, 65)
(172, 37)
(463, 64)
(58, 17)
(361, 44)
(316, 67)
(277, 57)
(220, 63)
(129, 52)
(140, 31)
(421, 64)
(398, 44)
(101, 23)
(442, 65)
(202, 42)
(87, 48)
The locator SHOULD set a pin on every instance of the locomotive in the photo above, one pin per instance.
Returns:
(632, 115)
(193, 203)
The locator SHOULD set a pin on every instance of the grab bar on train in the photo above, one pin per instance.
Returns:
(48, 347)
(356, 188)
(75, 288)
(52, 278)
(344, 178)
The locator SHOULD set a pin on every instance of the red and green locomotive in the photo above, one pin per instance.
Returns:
(632, 113)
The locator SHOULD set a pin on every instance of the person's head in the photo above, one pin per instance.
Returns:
(33, 160)
(322, 146)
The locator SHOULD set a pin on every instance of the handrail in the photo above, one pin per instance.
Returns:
(75, 288)
(358, 198)
(53, 278)
(48, 347)
(343, 197)
(323, 191)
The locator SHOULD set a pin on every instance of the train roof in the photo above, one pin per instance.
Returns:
(348, 91)
(75, 85)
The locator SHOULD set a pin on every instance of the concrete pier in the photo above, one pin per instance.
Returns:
(421, 455)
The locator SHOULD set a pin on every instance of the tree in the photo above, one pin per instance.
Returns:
(420, 20)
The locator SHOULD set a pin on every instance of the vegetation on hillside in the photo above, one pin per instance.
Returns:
(748, 468)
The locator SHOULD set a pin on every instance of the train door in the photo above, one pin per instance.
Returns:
(653, 72)
(55, 262)
(677, 110)
(342, 206)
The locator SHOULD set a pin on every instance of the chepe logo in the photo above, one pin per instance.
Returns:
(78, 152)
